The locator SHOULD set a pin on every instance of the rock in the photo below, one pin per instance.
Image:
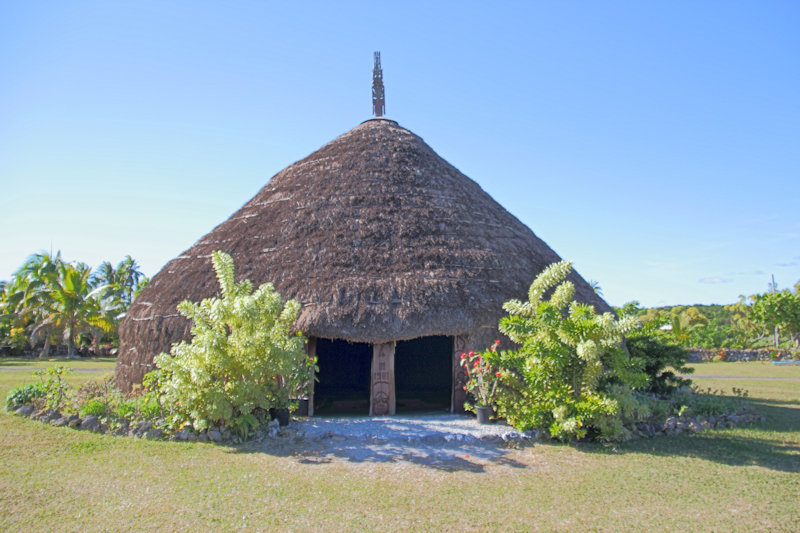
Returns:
(90, 423)
(214, 435)
(202, 437)
(192, 437)
(60, 422)
(142, 428)
(489, 439)
(339, 438)
(273, 431)
(153, 433)
(25, 410)
(74, 421)
(49, 415)
(182, 435)
(671, 423)
(695, 427)
(532, 434)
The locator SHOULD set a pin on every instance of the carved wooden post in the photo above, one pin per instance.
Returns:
(311, 350)
(459, 379)
(382, 396)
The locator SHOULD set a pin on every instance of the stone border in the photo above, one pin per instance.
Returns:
(150, 430)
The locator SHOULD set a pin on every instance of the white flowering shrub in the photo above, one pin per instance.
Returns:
(566, 351)
(242, 356)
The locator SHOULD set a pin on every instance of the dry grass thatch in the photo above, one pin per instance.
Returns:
(376, 235)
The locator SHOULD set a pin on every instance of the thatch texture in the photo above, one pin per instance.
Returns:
(376, 235)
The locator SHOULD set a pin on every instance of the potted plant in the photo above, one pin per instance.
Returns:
(291, 385)
(481, 382)
(300, 384)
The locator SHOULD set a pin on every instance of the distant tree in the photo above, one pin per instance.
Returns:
(124, 282)
(779, 310)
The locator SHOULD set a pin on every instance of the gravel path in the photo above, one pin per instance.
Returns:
(432, 440)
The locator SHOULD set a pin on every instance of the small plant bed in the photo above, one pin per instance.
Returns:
(97, 407)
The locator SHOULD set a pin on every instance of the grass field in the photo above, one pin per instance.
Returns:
(745, 479)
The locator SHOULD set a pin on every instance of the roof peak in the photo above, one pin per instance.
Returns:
(381, 119)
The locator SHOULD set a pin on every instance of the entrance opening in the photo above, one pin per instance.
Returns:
(423, 374)
(344, 377)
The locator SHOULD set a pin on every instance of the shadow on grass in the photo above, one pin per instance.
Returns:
(764, 444)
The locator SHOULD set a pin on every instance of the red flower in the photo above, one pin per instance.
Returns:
(463, 355)
(497, 341)
(471, 353)
(498, 374)
(476, 364)
(465, 388)
(491, 348)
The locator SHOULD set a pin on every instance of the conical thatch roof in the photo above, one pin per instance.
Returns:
(376, 235)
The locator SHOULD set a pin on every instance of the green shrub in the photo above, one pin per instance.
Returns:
(93, 407)
(241, 358)
(553, 381)
(57, 395)
(25, 394)
(147, 407)
(126, 409)
(660, 359)
(709, 402)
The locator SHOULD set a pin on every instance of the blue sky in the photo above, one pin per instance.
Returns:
(656, 145)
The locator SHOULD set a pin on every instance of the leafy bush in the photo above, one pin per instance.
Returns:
(25, 394)
(57, 390)
(242, 356)
(659, 352)
(553, 380)
(660, 359)
(125, 409)
(93, 407)
(708, 402)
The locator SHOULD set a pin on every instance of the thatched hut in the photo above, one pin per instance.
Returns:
(400, 261)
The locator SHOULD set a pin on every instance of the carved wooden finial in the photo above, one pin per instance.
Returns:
(378, 99)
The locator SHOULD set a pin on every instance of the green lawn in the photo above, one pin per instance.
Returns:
(744, 479)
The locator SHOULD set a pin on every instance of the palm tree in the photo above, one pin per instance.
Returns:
(128, 278)
(124, 281)
(35, 303)
(69, 290)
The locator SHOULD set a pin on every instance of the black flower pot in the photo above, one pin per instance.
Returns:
(282, 415)
(484, 414)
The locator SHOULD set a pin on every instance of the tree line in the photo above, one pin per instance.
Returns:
(53, 302)
(767, 320)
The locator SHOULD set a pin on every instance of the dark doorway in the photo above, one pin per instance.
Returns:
(344, 377)
(423, 374)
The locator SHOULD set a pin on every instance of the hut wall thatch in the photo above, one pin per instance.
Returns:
(377, 236)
